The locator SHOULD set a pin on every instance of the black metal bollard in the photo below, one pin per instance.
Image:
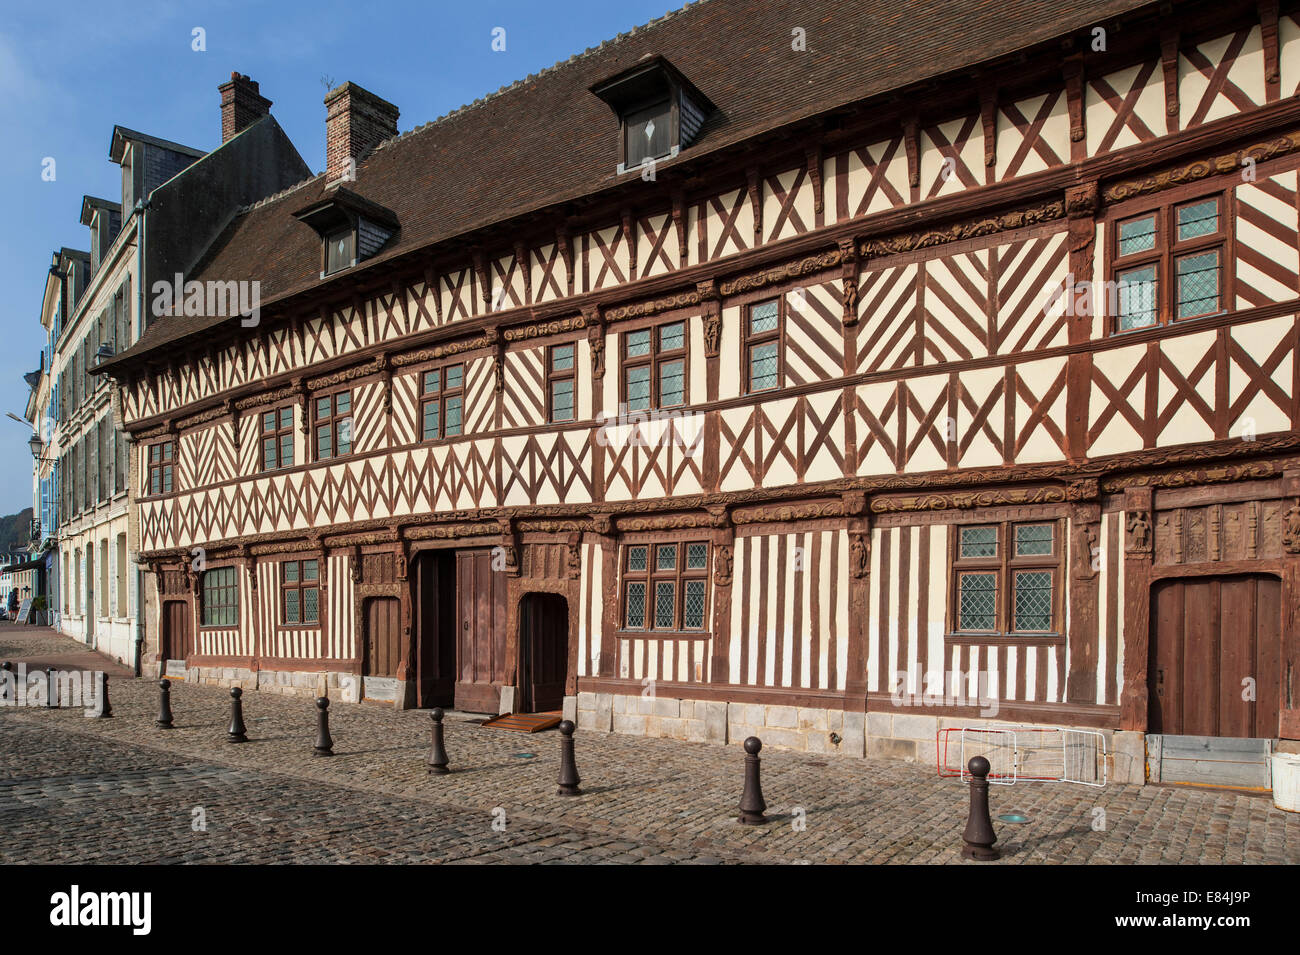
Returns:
(51, 690)
(979, 835)
(237, 733)
(7, 680)
(437, 758)
(751, 799)
(103, 708)
(324, 745)
(164, 720)
(568, 766)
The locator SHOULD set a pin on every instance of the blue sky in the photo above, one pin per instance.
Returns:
(70, 73)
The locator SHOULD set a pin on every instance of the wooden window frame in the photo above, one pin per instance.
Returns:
(164, 467)
(299, 586)
(748, 341)
(332, 420)
(441, 396)
(277, 433)
(1005, 566)
(1165, 255)
(680, 575)
(553, 377)
(205, 606)
(653, 361)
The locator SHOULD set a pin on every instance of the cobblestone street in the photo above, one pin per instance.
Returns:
(120, 790)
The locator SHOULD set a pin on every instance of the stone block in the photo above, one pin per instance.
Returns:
(782, 717)
(880, 724)
(890, 748)
(715, 719)
(672, 727)
(854, 735)
(686, 709)
(916, 727)
(784, 738)
(755, 714)
(811, 719)
(586, 700)
(631, 724)
(569, 708)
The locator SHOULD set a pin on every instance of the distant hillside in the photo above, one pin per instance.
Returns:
(16, 530)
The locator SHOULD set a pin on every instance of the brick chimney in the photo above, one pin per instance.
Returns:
(356, 121)
(241, 105)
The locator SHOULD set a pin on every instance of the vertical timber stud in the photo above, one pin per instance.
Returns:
(1268, 26)
(594, 319)
(711, 302)
(1074, 102)
(859, 598)
(1289, 711)
(406, 670)
(1084, 584)
(1138, 525)
(603, 665)
(1081, 204)
(724, 542)
(1169, 66)
(850, 275)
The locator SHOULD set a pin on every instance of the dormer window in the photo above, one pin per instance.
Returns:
(340, 251)
(660, 111)
(351, 228)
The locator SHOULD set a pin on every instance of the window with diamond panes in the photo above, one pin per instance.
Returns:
(300, 590)
(442, 402)
(762, 349)
(665, 586)
(1167, 264)
(654, 367)
(1006, 577)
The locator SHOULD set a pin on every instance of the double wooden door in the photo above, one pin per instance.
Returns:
(1216, 656)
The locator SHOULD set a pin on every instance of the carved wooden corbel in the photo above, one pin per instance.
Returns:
(1268, 27)
(385, 366)
(813, 158)
(629, 236)
(574, 544)
(911, 148)
(859, 553)
(521, 263)
(1074, 98)
(479, 260)
(354, 565)
(595, 339)
(304, 403)
(509, 547)
(711, 301)
(849, 280)
(989, 120)
(755, 186)
(723, 565)
(679, 223)
(565, 244)
(1169, 66)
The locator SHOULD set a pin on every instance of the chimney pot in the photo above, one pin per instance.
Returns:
(242, 104)
(356, 121)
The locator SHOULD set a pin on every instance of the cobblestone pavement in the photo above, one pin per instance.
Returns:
(122, 790)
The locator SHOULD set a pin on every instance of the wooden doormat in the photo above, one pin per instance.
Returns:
(525, 722)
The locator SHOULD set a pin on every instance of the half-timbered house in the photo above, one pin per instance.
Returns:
(789, 373)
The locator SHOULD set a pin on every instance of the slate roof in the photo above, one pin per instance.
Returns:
(547, 139)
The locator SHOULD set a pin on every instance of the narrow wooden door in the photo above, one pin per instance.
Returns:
(480, 631)
(544, 651)
(176, 643)
(1216, 653)
(383, 636)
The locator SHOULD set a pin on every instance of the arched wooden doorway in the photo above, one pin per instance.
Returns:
(543, 652)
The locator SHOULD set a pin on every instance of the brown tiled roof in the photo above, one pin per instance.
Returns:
(547, 139)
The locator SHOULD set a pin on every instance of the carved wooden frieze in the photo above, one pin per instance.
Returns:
(653, 306)
(964, 500)
(969, 229)
(781, 273)
(542, 329)
(1203, 168)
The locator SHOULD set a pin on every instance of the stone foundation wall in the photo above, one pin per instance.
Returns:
(339, 687)
(906, 736)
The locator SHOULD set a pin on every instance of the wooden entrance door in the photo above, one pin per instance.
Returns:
(543, 652)
(383, 636)
(177, 643)
(1208, 636)
(434, 573)
(480, 631)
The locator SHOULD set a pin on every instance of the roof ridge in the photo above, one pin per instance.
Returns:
(273, 197)
(532, 77)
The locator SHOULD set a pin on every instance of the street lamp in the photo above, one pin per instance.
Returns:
(36, 444)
